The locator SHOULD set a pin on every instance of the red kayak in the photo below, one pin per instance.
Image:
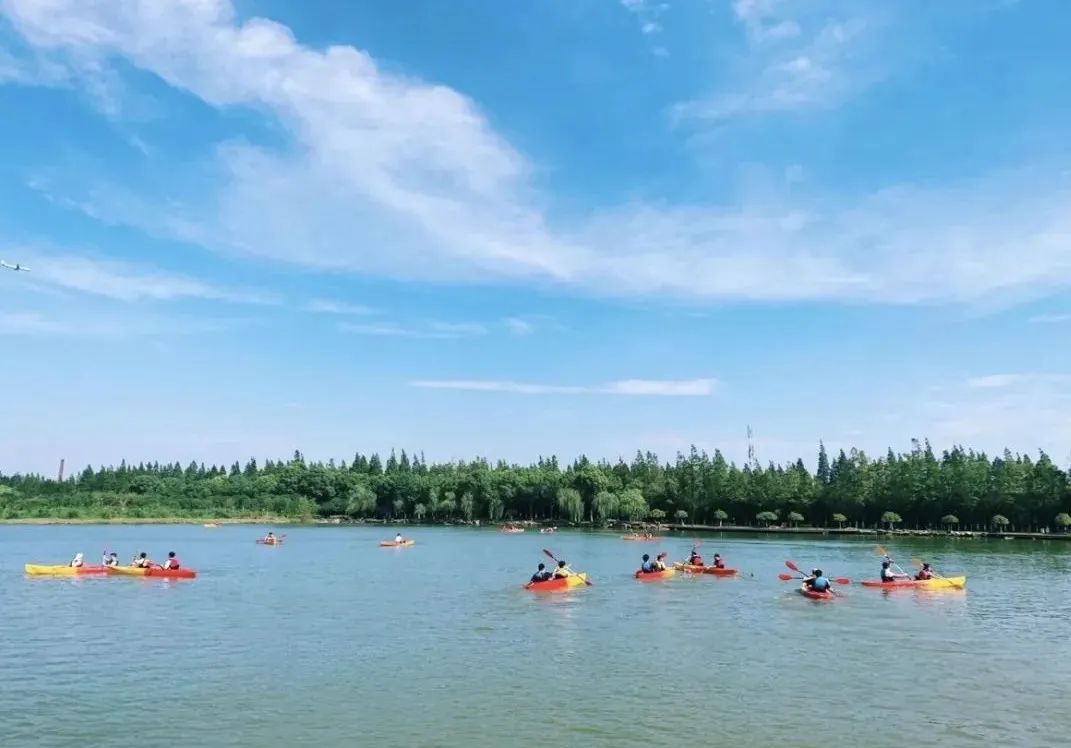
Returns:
(815, 594)
(723, 572)
(654, 576)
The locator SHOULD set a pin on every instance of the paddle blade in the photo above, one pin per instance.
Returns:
(550, 555)
(842, 580)
(917, 562)
(792, 566)
(879, 551)
(662, 555)
(786, 577)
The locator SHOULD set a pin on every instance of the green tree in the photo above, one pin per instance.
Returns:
(680, 515)
(419, 511)
(999, 522)
(1063, 521)
(891, 519)
(949, 521)
(657, 515)
(720, 515)
(795, 518)
(633, 506)
(571, 504)
(766, 518)
(840, 519)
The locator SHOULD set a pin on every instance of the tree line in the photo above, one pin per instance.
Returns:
(959, 489)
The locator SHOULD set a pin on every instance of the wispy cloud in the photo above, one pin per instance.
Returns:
(647, 13)
(518, 326)
(96, 325)
(1051, 319)
(793, 63)
(332, 306)
(431, 330)
(380, 160)
(641, 387)
(128, 282)
(995, 381)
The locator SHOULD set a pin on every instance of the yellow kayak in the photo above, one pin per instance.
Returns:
(947, 583)
(43, 570)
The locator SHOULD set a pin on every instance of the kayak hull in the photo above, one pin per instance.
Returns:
(262, 541)
(137, 571)
(714, 571)
(655, 576)
(948, 583)
(558, 585)
(392, 544)
(815, 594)
(44, 570)
(639, 539)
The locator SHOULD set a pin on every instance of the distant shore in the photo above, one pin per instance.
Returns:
(624, 528)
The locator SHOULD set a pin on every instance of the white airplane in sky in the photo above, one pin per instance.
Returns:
(16, 267)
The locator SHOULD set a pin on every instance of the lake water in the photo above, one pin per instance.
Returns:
(329, 640)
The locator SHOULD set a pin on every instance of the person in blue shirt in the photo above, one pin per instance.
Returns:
(647, 566)
(817, 581)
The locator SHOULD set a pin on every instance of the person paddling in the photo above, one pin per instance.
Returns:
(924, 573)
(647, 566)
(719, 563)
(142, 561)
(888, 575)
(398, 539)
(562, 571)
(659, 564)
(541, 574)
(110, 559)
(269, 538)
(78, 561)
(695, 559)
(172, 562)
(817, 581)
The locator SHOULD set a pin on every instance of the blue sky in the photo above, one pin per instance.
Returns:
(567, 226)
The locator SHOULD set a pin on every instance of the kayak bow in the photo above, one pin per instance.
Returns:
(654, 576)
(43, 570)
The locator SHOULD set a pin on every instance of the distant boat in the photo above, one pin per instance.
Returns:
(212, 525)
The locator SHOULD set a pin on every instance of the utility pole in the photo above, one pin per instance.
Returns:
(60, 478)
(750, 448)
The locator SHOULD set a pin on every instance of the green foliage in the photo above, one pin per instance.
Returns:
(1063, 520)
(891, 519)
(999, 521)
(949, 520)
(795, 517)
(920, 487)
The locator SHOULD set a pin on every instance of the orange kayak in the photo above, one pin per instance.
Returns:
(262, 541)
(396, 544)
(639, 538)
(696, 569)
(137, 571)
(654, 576)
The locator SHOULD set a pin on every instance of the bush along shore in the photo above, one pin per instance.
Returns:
(958, 491)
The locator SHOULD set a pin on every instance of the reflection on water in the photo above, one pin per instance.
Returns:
(328, 641)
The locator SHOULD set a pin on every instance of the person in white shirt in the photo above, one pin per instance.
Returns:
(78, 560)
(398, 538)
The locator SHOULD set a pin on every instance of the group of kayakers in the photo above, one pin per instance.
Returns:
(888, 575)
(694, 559)
(139, 561)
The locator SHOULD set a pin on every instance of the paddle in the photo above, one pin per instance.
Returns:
(881, 552)
(787, 578)
(918, 563)
(555, 560)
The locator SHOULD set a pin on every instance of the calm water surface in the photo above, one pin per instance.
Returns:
(331, 641)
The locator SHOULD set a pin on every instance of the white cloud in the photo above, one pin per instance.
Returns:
(785, 70)
(643, 387)
(432, 330)
(128, 282)
(647, 13)
(332, 306)
(994, 381)
(382, 161)
(83, 324)
(518, 326)
(1051, 318)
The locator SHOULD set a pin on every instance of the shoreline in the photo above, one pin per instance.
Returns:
(663, 530)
